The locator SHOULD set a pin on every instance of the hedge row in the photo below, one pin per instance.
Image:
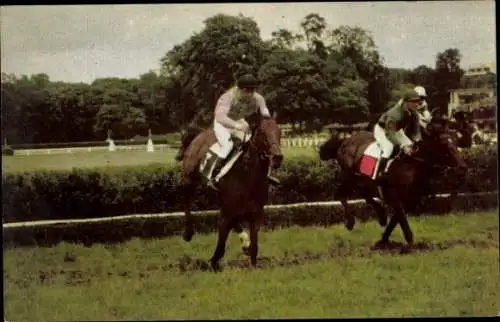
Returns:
(90, 193)
(122, 230)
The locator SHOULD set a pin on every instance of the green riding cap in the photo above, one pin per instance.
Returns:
(410, 96)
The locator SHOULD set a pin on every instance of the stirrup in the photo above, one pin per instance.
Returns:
(212, 184)
(273, 180)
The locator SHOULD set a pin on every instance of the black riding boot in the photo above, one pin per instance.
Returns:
(209, 169)
(381, 169)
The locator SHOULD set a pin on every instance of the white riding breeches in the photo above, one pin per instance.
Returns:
(387, 141)
(386, 145)
(223, 135)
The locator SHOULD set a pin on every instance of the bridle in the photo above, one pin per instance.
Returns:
(252, 145)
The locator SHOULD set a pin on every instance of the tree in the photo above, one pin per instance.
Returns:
(314, 27)
(357, 45)
(123, 120)
(210, 60)
(447, 76)
(284, 39)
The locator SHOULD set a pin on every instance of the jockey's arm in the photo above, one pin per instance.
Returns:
(221, 111)
(261, 102)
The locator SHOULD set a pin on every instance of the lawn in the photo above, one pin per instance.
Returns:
(304, 272)
(66, 161)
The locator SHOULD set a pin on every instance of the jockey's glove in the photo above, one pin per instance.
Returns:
(407, 149)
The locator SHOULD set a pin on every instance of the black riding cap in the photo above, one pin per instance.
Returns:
(248, 81)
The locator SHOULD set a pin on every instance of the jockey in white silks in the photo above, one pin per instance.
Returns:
(235, 104)
(389, 130)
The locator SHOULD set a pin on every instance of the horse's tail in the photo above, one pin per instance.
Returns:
(186, 140)
(330, 148)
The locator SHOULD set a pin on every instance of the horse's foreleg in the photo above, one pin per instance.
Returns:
(243, 235)
(189, 225)
(224, 228)
(405, 225)
(388, 231)
(254, 241)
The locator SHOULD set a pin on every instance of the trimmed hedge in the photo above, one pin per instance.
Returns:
(117, 231)
(90, 193)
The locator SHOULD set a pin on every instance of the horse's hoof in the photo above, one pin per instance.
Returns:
(187, 236)
(406, 249)
(246, 250)
(381, 244)
(382, 221)
(349, 224)
(216, 266)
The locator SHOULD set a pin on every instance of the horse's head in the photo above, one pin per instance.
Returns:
(440, 149)
(266, 136)
(328, 150)
(465, 132)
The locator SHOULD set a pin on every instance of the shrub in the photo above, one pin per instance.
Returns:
(121, 230)
(90, 193)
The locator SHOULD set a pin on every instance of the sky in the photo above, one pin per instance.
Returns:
(80, 43)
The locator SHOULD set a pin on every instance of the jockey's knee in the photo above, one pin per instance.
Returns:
(226, 147)
(387, 151)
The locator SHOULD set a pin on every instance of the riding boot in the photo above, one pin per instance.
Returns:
(209, 169)
(382, 169)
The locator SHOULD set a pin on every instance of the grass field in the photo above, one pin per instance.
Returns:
(67, 161)
(304, 272)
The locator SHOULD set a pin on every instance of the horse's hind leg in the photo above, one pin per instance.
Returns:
(343, 191)
(243, 235)
(254, 241)
(225, 225)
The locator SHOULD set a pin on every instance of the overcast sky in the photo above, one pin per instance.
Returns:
(81, 43)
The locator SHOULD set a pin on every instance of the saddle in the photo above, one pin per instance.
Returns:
(240, 141)
(370, 161)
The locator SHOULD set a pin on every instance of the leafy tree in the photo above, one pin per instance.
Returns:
(447, 76)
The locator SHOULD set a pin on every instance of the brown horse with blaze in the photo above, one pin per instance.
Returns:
(243, 190)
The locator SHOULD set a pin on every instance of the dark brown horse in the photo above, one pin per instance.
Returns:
(401, 187)
(461, 131)
(243, 191)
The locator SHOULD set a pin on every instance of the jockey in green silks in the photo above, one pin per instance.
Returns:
(389, 131)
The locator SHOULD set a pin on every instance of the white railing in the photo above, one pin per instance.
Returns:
(158, 147)
(210, 212)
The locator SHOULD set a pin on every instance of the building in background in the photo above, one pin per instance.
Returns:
(478, 94)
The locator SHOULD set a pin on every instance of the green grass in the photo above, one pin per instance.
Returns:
(307, 272)
(67, 161)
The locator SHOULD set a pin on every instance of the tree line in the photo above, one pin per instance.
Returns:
(313, 77)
